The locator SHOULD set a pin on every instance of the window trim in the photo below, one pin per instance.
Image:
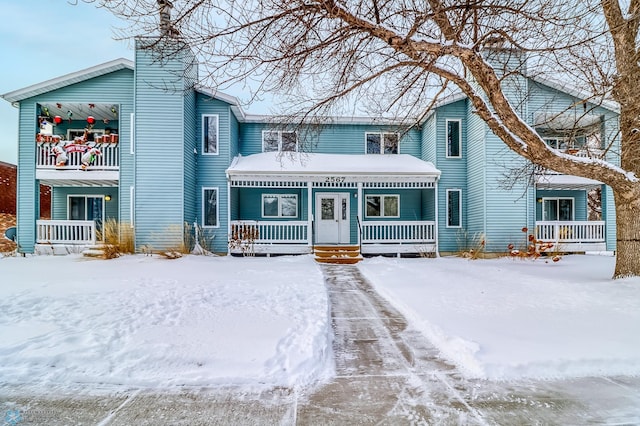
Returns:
(279, 197)
(202, 135)
(280, 132)
(446, 130)
(381, 134)
(449, 191)
(382, 197)
(557, 199)
(211, 188)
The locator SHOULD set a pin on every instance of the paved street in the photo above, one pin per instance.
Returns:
(386, 373)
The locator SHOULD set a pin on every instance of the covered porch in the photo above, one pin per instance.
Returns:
(291, 203)
(569, 213)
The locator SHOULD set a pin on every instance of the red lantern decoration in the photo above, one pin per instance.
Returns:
(57, 119)
(91, 120)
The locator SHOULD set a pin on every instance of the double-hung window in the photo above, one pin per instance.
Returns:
(454, 139)
(383, 206)
(382, 143)
(210, 207)
(454, 208)
(273, 140)
(280, 205)
(210, 134)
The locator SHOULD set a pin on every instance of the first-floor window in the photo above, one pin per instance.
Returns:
(557, 209)
(454, 208)
(279, 205)
(383, 206)
(210, 207)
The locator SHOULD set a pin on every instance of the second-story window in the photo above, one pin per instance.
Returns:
(273, 140)
(382, 143)
(454, 139)
(209, 134)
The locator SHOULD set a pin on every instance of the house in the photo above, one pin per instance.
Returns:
(140, 142)
(8, 191)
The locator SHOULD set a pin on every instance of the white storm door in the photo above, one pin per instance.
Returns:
(332, 218)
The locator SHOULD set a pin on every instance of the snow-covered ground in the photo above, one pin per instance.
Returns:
(508, 319)
(149, 322)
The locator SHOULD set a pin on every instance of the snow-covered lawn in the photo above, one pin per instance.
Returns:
(507, 319)
(139, 321)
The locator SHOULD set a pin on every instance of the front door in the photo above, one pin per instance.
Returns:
(332, 218)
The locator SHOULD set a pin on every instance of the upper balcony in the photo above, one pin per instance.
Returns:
(78, 144)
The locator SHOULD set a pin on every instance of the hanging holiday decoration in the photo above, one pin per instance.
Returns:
(105, 120)
(59, 105)
(91, 120)
(92, 106)
(45, 111)
(57, 119)
(114, 110)
(69, 115)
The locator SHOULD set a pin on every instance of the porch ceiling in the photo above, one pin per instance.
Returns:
(334, 168)
(78, 178)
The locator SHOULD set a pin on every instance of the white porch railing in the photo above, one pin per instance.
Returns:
(398, 232)
(273, 232)
(571, 231)
(109, 160)
(66, 232)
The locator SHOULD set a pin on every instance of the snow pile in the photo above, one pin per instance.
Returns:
(139, 321)
(506, 319)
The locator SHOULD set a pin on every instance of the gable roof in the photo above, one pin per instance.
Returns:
(68, 79)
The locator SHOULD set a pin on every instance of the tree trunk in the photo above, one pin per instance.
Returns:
(627, 235)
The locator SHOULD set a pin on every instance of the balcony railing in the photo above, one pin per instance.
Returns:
(66, 232)
(571, 231)
(108, 159)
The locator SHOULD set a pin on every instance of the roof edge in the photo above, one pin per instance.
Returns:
(68, 79)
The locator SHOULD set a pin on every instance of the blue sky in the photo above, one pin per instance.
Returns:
(44, 39)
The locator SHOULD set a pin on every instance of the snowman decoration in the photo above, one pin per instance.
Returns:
(60, 154)
(89, 157)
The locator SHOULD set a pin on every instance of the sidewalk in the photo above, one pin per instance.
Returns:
(386, 373)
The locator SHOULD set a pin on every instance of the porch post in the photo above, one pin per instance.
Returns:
(228, 211)
(435, 217)
(359, 201)
(309, 214)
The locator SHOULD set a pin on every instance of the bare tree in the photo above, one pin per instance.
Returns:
(398, 57)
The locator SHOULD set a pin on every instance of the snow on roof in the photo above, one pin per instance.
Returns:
(555, 181)
(310, 164)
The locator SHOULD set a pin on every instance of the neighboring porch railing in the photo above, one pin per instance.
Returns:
(571, 231)
(66, 232)
(289, 232)
(398, 232)
(109, 160)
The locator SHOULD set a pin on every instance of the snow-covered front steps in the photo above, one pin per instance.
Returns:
(346, 254)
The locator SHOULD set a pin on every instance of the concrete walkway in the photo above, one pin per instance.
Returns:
(386, 373)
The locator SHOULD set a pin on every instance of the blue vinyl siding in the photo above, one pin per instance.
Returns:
(59, 201)
(334, 139)
(112, 88)
(160, 158)
(454, 170)
(211, 168)
(190, 158)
